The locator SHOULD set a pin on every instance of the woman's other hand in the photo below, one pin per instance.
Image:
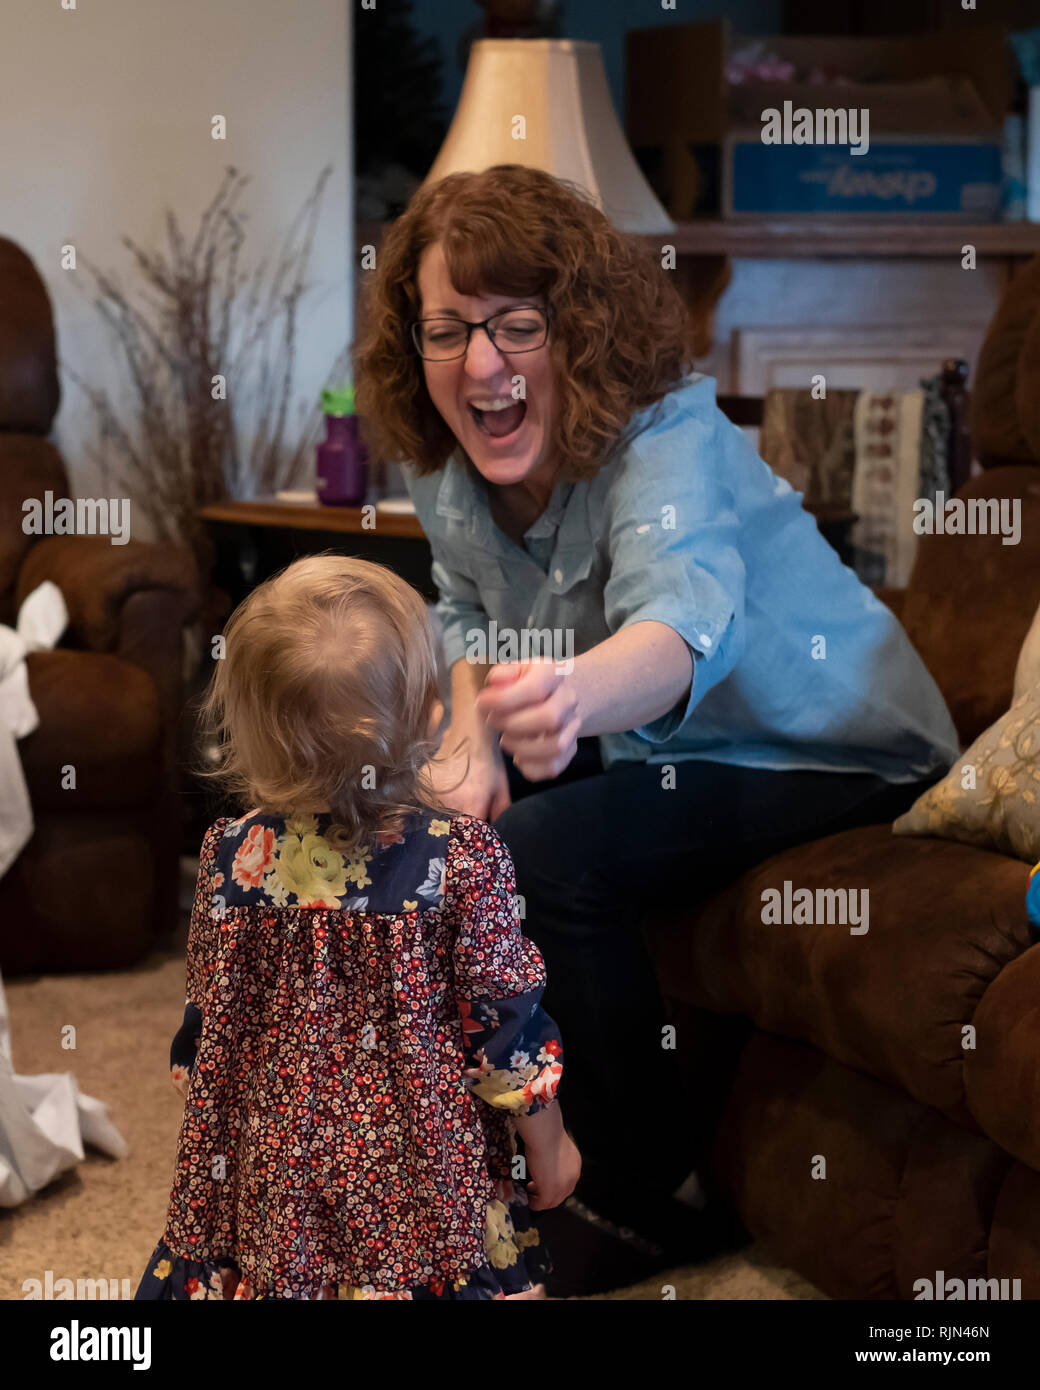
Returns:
(483, 791)
(534, 705)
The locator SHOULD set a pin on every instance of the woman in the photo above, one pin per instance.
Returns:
(700, 682)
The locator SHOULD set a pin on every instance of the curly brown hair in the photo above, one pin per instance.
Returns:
(621, 335)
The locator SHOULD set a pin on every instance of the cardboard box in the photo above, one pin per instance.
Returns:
(933, 126)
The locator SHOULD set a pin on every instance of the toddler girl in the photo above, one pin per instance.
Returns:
(362, 1032)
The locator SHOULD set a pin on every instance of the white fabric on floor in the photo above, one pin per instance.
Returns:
(42, 619)
(44, 1122)
(44, 1119)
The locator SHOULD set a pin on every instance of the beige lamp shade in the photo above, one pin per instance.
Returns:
(545, 103)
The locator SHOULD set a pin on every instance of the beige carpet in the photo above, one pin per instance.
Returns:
(102, 1220)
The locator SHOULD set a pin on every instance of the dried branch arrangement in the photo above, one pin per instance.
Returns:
(201, 317)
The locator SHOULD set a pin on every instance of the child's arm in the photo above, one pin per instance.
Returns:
(553, 1160)
(184, 1048)
(513, 1050)
(205, 917)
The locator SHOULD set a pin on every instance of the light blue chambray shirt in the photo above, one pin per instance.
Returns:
(738, 569)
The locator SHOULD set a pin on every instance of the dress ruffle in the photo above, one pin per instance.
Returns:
(516, 1262)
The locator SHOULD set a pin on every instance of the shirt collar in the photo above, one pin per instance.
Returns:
(548, 523)
(462, 498)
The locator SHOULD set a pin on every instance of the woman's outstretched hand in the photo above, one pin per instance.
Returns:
(534, 705)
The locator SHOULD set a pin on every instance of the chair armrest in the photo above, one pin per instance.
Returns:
(97, 579)
(892, 598)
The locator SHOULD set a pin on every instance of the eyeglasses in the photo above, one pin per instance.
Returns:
(510, 330)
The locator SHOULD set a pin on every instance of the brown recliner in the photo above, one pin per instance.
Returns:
(98, 878)
(879, 1093)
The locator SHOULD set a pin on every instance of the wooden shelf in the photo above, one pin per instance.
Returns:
(312, 516)
(307, 516)
(817, 238)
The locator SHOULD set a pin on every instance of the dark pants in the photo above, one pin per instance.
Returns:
(597, 852)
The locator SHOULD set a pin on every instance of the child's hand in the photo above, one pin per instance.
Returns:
(552, 1173)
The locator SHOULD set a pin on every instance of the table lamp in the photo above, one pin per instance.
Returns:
(569, 128)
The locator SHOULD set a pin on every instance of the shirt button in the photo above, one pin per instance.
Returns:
(705, 640)
(558, 576)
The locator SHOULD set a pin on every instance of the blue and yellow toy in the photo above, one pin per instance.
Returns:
(1033, 897)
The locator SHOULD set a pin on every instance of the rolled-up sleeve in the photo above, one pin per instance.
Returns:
(672, 534)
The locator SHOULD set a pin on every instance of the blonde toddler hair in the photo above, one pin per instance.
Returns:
(324, 697)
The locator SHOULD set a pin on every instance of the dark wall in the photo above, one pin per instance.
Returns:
(603, 22)
(902, 16)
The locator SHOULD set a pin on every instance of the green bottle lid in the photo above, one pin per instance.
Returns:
(339, 401)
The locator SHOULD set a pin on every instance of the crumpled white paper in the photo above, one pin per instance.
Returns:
(42, 619)
(44, 1120)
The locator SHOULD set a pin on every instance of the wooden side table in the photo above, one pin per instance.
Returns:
(253, 540)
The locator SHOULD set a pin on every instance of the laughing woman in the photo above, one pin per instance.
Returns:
(530, 367)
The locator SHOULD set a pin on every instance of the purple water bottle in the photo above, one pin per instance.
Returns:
(342, 472)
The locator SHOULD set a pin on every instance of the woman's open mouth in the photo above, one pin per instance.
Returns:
(499, 423)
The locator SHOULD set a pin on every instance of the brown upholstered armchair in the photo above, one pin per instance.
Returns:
(907, 1060)
(99, 876)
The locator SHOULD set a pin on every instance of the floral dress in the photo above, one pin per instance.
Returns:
(358, 1035)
